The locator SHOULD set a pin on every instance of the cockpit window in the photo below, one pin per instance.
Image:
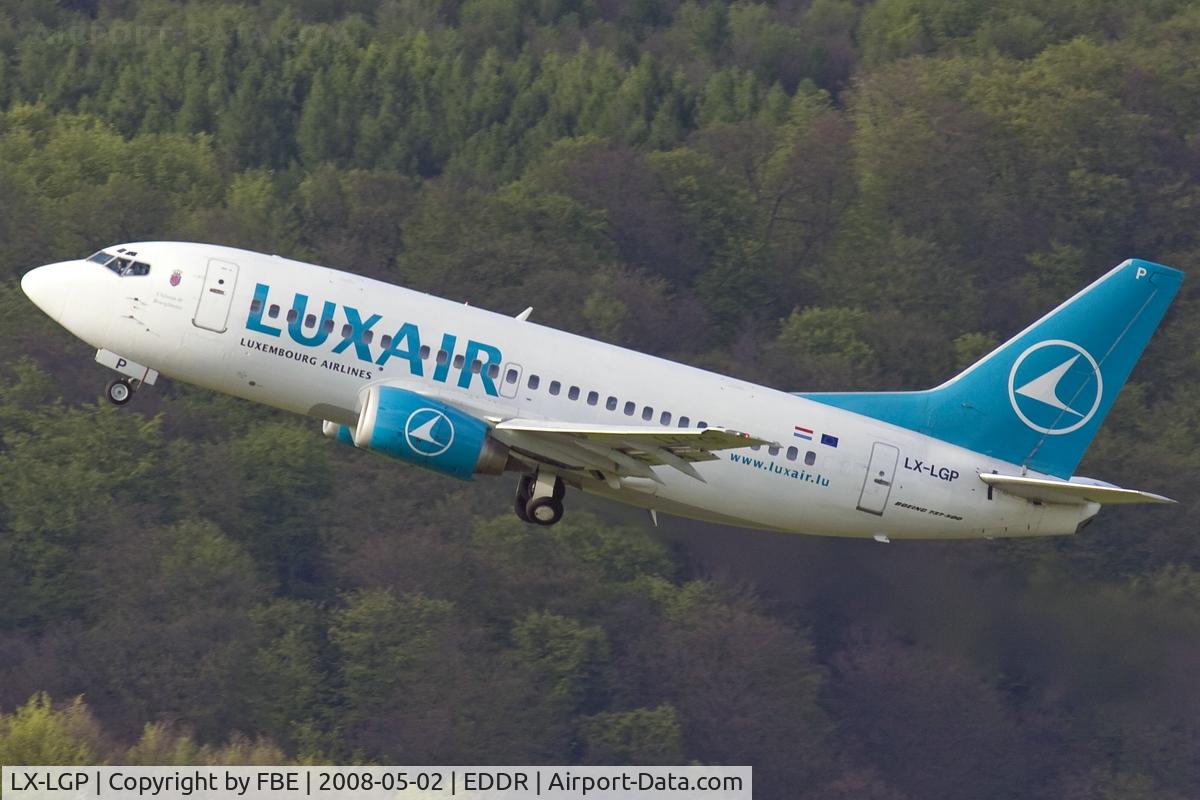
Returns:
(124, 264)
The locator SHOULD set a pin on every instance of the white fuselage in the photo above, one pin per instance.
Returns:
(855, 476)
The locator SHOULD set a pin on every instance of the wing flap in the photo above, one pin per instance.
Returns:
(624, 449)
(1069, 493)
(630, 435)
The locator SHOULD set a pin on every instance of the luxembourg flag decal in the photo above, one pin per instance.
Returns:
(804, 433)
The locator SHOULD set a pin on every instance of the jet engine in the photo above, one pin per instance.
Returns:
(414, 428)
(337, 432)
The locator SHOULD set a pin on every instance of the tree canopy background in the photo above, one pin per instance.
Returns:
(813, 195)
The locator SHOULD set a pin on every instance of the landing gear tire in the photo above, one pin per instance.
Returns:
(544, 510)
(119, 391)
(539, 499)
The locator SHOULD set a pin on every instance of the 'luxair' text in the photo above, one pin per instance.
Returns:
(405, 343)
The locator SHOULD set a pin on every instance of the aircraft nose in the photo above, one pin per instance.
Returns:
(46, 287)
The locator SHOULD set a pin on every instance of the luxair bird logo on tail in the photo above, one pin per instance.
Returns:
(1055, 387)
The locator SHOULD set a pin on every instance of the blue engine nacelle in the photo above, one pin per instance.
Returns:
(418, 429)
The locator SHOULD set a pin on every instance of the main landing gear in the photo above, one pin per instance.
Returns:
(539, 498)
(119, 391)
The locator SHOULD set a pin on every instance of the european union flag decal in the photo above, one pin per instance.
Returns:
(829, 440)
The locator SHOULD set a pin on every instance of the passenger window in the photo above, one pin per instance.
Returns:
(810, 458)
(665, 419)
(368, 336)
(630, 407)
(327, 326)
(647, 413)
(346, 331)
(255, 306)
(611, 404)
(273, 312)
(310, 321)
(442, 357)
(573, 393)
(493, 371)
(423, 353)
(534, 381)
(554, 387)
(593, 398)
(701, 424)
(292, 315)
(792, 452)
(476, 366)
(459, 360)
(756, 447)
(385, 341)
(511, 377)
(684, 422)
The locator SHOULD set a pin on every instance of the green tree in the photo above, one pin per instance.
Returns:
(38, 733)
(640, 736)
(66, 477)
(181, 598)
(569, 659)
(287, 688)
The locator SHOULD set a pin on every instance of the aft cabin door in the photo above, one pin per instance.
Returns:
(880, 474)
(212, 312)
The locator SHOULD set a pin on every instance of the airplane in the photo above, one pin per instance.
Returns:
(464, 391)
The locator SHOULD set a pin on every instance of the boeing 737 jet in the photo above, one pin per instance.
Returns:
(465, 391)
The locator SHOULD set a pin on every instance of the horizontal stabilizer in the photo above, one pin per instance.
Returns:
(1052, 491)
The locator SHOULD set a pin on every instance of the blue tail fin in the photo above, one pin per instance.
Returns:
(1039, 399)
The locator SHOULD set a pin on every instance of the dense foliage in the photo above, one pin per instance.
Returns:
(824, 194)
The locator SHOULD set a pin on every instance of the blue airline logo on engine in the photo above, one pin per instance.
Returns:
(1055, 387)
(404, 344)
(429, 432)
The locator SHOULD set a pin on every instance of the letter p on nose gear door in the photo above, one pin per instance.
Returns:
(878, 484)
(212, 311)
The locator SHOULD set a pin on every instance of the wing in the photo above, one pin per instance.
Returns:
(617, 451)
(1071, 493)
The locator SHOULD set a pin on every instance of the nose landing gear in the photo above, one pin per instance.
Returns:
(119, 391)
(539, 498)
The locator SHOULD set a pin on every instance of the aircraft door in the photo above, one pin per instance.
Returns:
(877, 486)
(212, 312)
(510, 380)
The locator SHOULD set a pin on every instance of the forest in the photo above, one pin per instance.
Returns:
(809, 194)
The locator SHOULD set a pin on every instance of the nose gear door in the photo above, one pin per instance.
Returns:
(212, 312)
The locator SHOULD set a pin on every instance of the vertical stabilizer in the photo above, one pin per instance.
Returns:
(1039, 399)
